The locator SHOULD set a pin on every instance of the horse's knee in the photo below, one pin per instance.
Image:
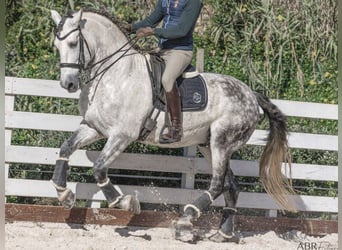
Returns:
(216, 187)
(100, 171)
(100, 174)
(65, 150)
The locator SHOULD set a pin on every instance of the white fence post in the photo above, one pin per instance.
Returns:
(93, 204)
(188, 179)
(9, 107)
(200, 60)
(272, 213)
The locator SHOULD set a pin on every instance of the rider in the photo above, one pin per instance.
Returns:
(176, 48)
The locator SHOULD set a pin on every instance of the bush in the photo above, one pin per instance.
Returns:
(284, 49)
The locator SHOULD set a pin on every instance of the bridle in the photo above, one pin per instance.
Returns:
(81, 56)
(84, 71)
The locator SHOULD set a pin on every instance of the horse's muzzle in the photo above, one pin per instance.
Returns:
(70, 83)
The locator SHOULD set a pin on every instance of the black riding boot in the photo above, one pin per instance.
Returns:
(174, 133)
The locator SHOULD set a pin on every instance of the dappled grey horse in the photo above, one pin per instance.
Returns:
(116, 102)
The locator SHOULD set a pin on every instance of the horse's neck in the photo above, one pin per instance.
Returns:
(106, 37)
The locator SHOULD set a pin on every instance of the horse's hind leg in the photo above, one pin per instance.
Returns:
(230, 194)
(84, 135)
(183, 227)
(219, 163)
(220, 160)
(222, 181)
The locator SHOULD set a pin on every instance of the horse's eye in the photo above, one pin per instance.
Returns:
(72, 44)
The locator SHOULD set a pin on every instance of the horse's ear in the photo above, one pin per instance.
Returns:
(77, 17)
(56, 17)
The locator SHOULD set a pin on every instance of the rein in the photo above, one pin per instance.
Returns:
(131, 42)
(83, 70)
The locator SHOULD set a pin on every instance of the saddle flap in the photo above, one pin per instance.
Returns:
(193, 93)
(191, 85)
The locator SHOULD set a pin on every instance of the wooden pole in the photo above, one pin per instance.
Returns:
(108, 216)
(200, 60)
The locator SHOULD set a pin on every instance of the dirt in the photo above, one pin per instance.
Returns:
(32, 235)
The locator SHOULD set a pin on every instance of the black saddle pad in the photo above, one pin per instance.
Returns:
(193, 93)
(193, 90)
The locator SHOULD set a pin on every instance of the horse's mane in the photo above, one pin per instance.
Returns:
(112, 18)
(101, 12)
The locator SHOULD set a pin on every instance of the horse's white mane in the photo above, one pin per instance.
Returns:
(108, 16)
(101, 13)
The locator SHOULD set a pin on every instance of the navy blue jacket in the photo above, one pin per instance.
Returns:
(179, 18)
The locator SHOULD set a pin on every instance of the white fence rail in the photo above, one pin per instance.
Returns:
(188, 165)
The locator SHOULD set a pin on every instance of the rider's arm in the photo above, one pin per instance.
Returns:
(186, 22)
(152, 20)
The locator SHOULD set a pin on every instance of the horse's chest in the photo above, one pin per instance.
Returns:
(97, 120)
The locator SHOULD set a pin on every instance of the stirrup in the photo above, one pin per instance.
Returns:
(164, 140)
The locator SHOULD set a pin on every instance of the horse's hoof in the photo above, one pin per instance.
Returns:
(129, 203)
(183, 224)
(221, 237)
(67, 198)
(183, 230)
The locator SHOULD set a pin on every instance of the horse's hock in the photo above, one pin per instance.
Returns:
(189, 166)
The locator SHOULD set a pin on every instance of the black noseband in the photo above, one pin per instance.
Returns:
(71, 65)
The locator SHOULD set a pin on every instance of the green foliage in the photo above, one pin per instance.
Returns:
(285, 49)
(29, 40)
(127, 11)
(137, 147)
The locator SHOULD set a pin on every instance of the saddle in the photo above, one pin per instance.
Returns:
(192, 89)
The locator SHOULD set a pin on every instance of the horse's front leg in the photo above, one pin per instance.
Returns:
(114, 146)
(83, 136)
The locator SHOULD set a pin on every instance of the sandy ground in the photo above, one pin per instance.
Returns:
(31, 235)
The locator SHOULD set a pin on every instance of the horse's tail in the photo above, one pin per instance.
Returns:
(276, 151)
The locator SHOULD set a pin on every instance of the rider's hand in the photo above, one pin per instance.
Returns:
(127, 27)
(146, 31)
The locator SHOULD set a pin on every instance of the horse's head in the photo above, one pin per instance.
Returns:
(69, 42)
